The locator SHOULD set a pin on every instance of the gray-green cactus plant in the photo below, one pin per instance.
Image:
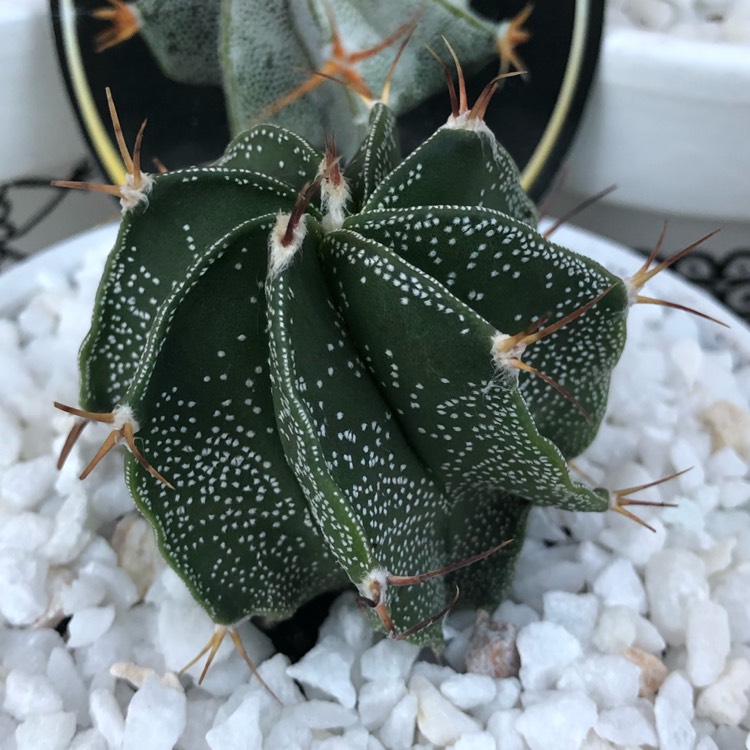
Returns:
(364, 374)
(271, 58)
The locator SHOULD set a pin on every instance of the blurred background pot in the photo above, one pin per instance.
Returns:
(667, 122)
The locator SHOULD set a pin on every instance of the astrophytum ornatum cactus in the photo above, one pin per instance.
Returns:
(364, 374)
(271, 57)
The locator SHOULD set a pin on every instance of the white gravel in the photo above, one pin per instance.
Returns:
(627, 638)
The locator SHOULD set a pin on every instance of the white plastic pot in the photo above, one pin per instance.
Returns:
(667, 122)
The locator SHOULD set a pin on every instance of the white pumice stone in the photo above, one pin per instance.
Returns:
(85, 591)
(647, 637)
(673, 710)
(608, 679)
(241, 731)
(515, 613)
(557, 722)
(155, 717)
(734, 493)
(434, 673)
(352, 739)
(51, 731)
(318, 714)
(615, 630)
(546, 649)
(729, 523)
(718, 557)
(398, 729)
(502, 726)
(328, 667)
(741, 550)
(273, 671)
(577, 613)
(25, 531)
(619, 583)
(626, 725)
(547, 571)
(377, 699)
(438, 720)
(89, 625)
(119, 586)
(707, 639)
(135, 544)
(28, 650)
(38, 318)
(69, 534)
(199, 719)
(732, 591)
(345, 623)
(687, 357)
(633, 541)
(725, 464)
(267, 709)
(542, 524)
(675, 579)
(726, 700)
(10, 445)
(183, 630)
(593, 558)
(106, 716)
(475, 741)
(66, 680)
(584, 527)
(25, 484)
(456, 649)
(507, 692)
(707, 743)
(110, 500)
(467, 691)
(288, 732)
(29, 694)
(388, 660)
(23, 583)
(683, 454)
(706, 498)
(88, 739)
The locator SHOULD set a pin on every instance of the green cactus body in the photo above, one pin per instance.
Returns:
(156, 247)
(334, 392)
(236, 518)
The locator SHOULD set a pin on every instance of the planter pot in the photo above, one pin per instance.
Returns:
(666, 123)
(624, 634)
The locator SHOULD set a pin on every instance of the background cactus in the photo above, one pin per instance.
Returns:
(265, 55)
(362, 374)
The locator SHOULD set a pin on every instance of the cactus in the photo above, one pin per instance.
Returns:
(266, 55)
(360, 375)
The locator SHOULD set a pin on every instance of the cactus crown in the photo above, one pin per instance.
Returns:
(363, 373)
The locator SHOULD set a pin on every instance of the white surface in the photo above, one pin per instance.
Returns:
(667, 122)
(39, 132)
(19, 283)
